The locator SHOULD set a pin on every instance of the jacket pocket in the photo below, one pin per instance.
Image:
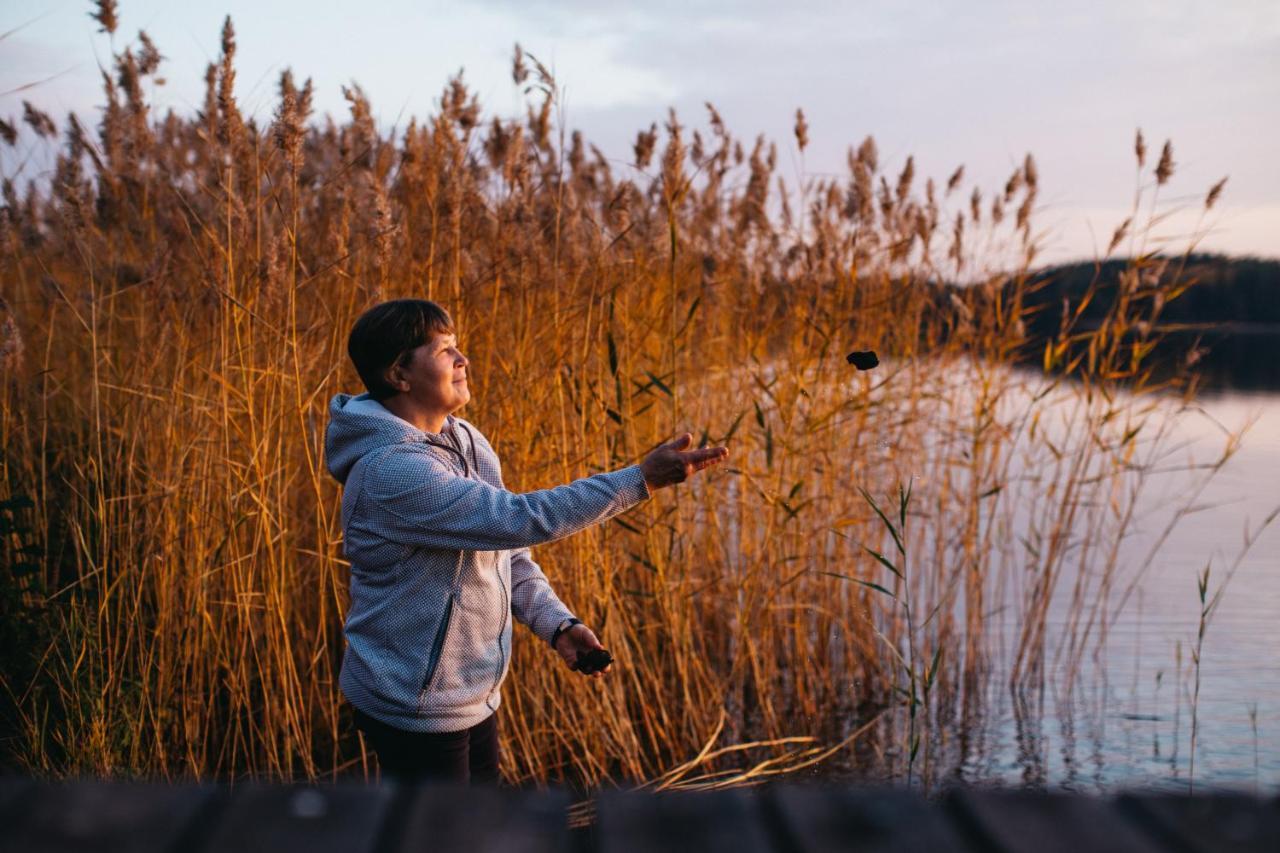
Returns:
(437, 645)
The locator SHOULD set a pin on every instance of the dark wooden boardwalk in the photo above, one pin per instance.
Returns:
(117, 816)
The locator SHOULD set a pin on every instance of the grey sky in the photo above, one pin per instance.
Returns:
(978, 83)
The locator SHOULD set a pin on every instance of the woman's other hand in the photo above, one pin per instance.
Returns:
(579, 638)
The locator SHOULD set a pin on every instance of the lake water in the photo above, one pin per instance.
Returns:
(1115, 704)
(1127, 721)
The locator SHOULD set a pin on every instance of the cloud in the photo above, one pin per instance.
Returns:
(981, 83)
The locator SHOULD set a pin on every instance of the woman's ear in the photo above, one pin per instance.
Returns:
(396, 378)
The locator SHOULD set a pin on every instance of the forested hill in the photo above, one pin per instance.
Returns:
(1226, 290)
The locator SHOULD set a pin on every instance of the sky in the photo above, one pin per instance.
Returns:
(979, 83)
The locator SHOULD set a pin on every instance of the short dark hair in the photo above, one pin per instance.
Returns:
(387, 334)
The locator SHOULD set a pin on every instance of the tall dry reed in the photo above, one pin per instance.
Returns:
(177, 297)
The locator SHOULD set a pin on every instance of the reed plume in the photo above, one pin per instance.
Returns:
(177, 299)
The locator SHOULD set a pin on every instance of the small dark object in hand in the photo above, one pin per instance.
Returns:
(593, 661)
(863, 360)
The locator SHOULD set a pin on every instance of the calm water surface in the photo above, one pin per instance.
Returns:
(1128, 722)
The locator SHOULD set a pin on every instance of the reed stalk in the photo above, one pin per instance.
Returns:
(182, 287)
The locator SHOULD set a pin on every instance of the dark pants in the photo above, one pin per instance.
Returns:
(468, 756)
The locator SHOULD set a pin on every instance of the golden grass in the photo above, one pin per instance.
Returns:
(177, 300)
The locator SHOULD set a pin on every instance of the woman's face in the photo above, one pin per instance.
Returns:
(436, 376)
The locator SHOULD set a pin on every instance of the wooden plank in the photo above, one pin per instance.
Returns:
(278, 818)
(1030, 822)
(93, 815)
(873, 820)
(89, 816)
(1212, 823)
(11, 789)
(445, 819)
(726, 821)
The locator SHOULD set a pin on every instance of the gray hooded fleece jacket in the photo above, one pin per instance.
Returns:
(440, 561)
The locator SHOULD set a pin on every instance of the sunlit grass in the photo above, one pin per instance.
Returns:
(177, 300)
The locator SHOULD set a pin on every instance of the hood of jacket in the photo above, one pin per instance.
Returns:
(360, 424)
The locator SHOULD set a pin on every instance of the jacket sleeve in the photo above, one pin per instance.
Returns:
(420, 502)
(533, 601)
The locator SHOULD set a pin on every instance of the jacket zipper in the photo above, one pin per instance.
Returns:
(497, 568)
(437, 647)
(506, 596)
(506, 611)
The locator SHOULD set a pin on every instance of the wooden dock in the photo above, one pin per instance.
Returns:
(120, 816)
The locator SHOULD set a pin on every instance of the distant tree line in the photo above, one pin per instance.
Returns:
(1224, 290)
(1199, 328)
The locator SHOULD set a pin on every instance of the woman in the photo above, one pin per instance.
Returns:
(439, 548)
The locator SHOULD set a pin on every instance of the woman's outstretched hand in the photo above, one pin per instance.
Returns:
(579, 638)
(668, 464)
